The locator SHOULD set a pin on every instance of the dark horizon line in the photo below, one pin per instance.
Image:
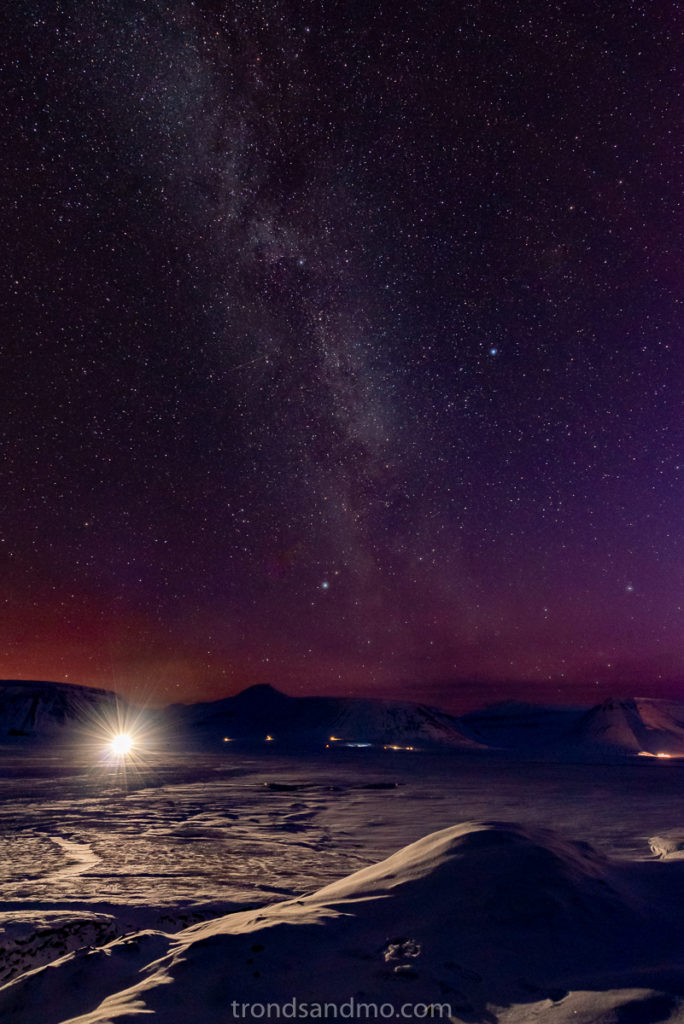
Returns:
(617, 694)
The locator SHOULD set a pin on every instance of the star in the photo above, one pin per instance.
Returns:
(299, 378)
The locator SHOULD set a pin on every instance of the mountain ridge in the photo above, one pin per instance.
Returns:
(33, 709)
(615, 728)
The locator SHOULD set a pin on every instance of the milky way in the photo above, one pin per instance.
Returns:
(341, 348)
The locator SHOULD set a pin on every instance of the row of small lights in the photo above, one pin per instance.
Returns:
(122, 745)
(337, 739)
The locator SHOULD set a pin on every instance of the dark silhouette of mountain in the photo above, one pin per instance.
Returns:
(31, 709)
(614, 730)
(262, 711)
(522, 727)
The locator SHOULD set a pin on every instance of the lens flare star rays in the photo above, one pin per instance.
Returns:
(123, 744)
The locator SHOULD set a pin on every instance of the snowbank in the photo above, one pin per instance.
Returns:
(497, 921)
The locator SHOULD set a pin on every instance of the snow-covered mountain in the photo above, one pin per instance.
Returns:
(262, 711)
(37, 710)
(492, 920)
(263, 715)
(635, 726)
(613, 729)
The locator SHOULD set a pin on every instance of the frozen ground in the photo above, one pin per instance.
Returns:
(86, 856)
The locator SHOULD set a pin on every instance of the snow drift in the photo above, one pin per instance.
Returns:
(497, 921)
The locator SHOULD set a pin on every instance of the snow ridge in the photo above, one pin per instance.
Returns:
(481, 915)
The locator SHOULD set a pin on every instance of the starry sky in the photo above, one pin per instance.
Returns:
(341, 348)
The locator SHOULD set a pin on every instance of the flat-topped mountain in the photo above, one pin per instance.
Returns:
(258, 715)
(35, 709)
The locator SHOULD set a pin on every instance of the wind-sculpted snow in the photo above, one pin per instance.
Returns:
(488, 918)
(196, 861)
(30, 939)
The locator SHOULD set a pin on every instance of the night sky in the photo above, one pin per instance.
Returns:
(341, 348)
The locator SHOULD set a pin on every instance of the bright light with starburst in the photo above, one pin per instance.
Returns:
(124, 740)
(122, 744)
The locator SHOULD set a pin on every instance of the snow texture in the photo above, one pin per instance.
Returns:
(501, 922)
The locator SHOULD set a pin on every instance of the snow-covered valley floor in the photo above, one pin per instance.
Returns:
(534, 928)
